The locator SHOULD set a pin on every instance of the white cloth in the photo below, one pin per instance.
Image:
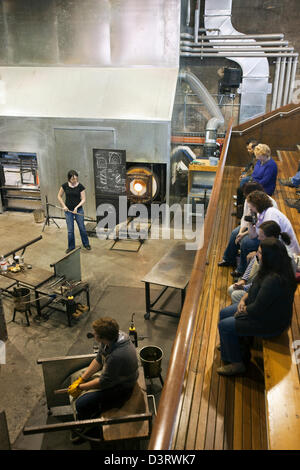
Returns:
(285, 225)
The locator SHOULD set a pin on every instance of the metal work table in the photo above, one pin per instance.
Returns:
(32, 278)
(172, 271)
(47, 283)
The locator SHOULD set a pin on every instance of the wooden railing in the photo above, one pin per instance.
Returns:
(279, 129)
(165, 421)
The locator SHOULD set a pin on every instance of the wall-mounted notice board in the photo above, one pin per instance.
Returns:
(110, 172)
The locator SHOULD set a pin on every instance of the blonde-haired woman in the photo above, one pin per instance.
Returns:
(265, 170)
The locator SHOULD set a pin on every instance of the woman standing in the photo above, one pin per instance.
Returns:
(266, 230)
(265, 311)
(75, 198)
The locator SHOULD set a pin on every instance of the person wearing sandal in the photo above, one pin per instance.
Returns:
(75, 198)
(265, 311)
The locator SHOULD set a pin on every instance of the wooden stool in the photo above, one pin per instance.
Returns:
(26, 311)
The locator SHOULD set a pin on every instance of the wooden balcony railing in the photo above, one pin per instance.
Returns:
(166, 419)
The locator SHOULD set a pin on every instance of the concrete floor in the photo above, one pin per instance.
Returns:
(116, 290)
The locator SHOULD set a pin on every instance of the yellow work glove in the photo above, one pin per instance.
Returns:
(73, 390)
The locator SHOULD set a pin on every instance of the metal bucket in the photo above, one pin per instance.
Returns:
(21, 298)
(151, 357)
(38, 215)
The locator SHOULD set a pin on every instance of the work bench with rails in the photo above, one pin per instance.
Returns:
(55, 289)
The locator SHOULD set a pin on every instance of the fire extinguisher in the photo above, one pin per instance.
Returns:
(132, 332)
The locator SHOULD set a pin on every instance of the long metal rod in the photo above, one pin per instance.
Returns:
(275, 86)
(23, 247)
(287, 81)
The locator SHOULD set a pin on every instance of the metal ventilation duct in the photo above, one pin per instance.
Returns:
(254, 87)
(217, 118)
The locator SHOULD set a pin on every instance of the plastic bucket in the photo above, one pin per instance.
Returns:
(21, 298)
(38, 215)
(151, 357)
(213, 161)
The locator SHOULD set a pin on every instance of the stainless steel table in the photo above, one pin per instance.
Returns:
(172, 271)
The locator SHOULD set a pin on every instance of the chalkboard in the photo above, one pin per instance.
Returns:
(110, 172)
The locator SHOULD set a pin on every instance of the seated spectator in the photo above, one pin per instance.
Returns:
(294, 181)
(265, 170)
(265, 311)
(266, 230)
(245, 177)
(237, 235)
(247, 171)
(262, 210)
(295, 203)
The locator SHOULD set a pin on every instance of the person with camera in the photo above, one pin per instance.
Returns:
(239, 234)
(265, 311)
(262, 210)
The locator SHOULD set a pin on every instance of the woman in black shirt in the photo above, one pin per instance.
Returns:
(75, 198)
(265, 311)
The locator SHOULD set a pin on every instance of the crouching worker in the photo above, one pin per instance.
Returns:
(118, 363)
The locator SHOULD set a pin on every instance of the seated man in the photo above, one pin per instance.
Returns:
(118, 360)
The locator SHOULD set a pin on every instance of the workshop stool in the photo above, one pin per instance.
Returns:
(26, 311)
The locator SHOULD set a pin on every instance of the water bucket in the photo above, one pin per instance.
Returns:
(38, 215)
(21, 298)
(151, 357)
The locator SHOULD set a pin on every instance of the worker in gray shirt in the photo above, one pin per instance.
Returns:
(117, 361)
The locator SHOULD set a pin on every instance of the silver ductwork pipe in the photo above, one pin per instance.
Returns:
(240, 55)
(196, 22)
(287, 81)
(293, 76)
(201, 91)
(275, 84)
(217, 49)
(237, 36)
(234, 43)
(254, 87)
(188, 13)
(281, 81)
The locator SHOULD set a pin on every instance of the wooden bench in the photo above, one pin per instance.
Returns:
(125, 422)
(281, 370)
(234, 413)
(219, 413)
(132, 421)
